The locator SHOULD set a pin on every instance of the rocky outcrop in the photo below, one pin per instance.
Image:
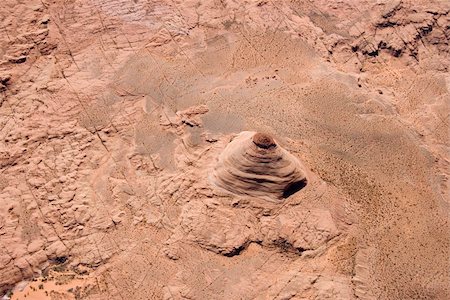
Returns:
(114, 114)
(254, 164)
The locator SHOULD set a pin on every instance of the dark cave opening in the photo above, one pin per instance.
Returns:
(294, 188)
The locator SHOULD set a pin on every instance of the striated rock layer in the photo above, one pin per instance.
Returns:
(113, 115)
(254, 164)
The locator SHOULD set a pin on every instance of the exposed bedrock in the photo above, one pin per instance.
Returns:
(254, 164)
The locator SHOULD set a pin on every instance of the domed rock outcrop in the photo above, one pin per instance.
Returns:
(254, 164)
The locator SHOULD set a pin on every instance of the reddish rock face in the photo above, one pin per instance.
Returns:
(264, 141)
(116, 161)
(266, 171)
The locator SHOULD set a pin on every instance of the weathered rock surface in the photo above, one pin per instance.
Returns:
(113, 115)
(253, 164)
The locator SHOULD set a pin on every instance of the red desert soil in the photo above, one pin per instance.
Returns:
(128, 166)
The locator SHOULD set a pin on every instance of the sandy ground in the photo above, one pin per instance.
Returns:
(115, 114)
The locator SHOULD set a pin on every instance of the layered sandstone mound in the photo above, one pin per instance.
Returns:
(254, 164)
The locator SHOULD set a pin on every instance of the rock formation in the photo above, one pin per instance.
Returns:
(116, 166)
(254, 164)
